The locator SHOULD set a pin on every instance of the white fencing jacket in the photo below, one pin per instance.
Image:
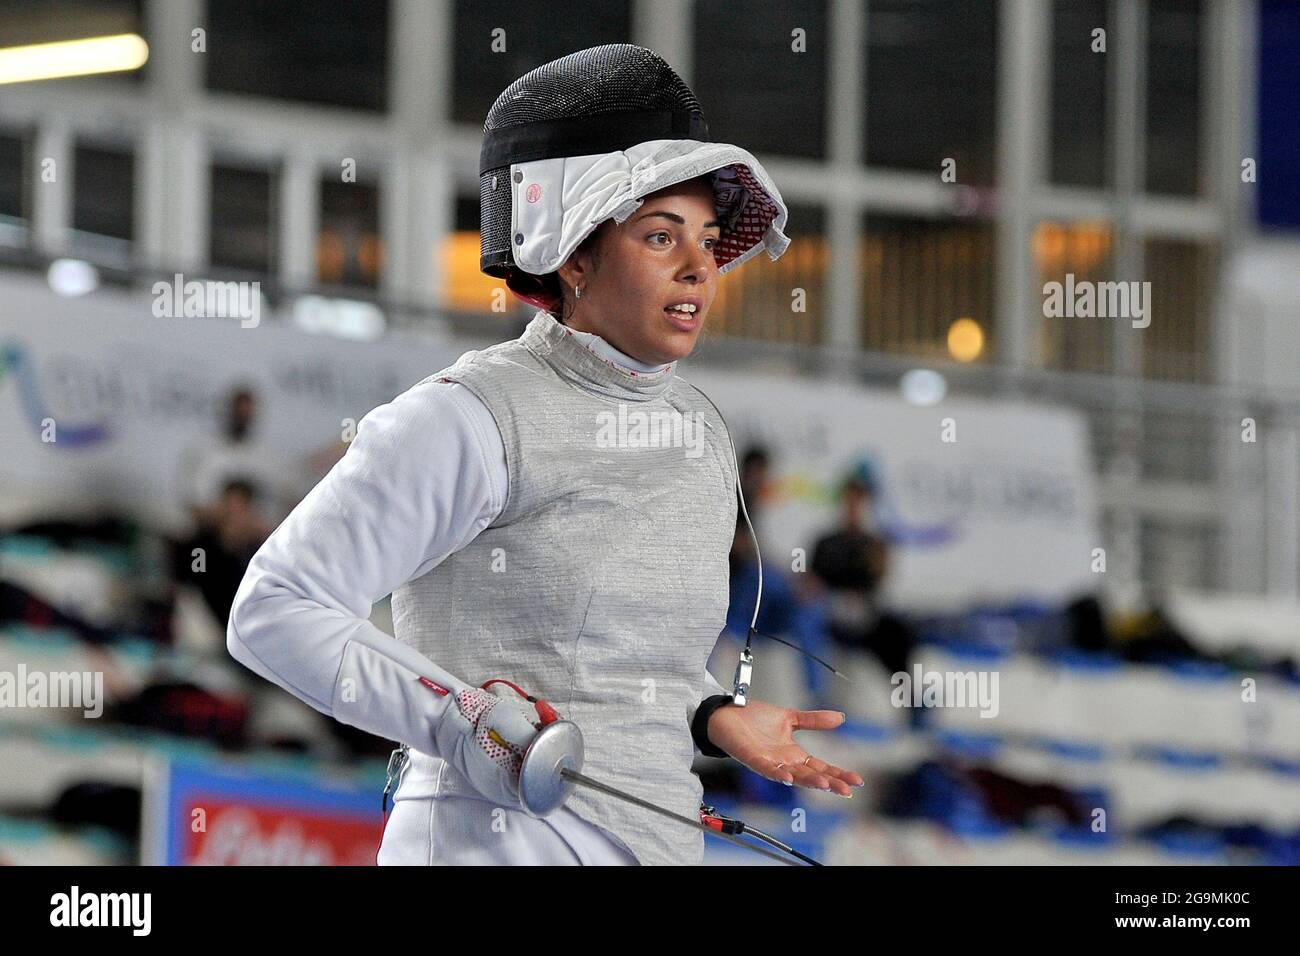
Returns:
(424, 476)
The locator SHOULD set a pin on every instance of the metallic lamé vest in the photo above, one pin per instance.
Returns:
(603, 585)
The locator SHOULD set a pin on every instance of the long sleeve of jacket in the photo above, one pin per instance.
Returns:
(424, 475)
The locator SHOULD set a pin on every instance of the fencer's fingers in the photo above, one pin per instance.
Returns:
(504, 744)
(513, 724)
(774, 769)
(819, 775)
(817, 719)
(796, 774)
(830, 770)
(806, 777)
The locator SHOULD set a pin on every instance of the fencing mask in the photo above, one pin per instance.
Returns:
(586, 138)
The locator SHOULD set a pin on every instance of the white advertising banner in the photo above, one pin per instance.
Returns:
(980, 499)
(134, 399)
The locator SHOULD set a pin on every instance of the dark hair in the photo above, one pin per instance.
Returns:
(861, 477)
(244, 487)
(755, 455)
(547, 290)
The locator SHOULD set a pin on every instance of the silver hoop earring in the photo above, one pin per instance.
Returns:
(577, 292)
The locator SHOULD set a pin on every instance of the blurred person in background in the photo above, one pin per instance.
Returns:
(237, 453)
(777, 610)
(215, 557)
(790, 608)
(852, 562)
(518, 544)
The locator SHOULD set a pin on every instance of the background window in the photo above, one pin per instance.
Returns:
(1080, 147)
(103, 204)
(1178, 344)
(778, 108)
(919, 277)
(466, 288)
(334, 54)
(243, 217)
(535, 32)
(13, 178)
(1084, 250)
(467, 212)
(349, 250)
(1173, 120)
(757, 299)
(932, 86)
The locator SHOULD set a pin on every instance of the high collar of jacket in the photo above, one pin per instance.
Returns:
(579, 364)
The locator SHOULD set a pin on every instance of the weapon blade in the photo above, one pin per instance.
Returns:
(585, 781)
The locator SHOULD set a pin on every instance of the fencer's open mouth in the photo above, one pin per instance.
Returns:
(685, 311)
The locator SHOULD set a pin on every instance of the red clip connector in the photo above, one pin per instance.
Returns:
(716, 821)
(545, 712)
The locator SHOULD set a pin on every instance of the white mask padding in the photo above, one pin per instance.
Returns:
(556, 203)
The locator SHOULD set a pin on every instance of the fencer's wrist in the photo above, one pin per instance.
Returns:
(390, 690)
(700, 724)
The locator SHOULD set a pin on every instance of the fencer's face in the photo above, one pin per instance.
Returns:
(661, 257)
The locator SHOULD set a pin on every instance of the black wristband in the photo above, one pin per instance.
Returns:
(700, 724)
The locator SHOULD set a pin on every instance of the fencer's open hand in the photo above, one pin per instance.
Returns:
(761, 736)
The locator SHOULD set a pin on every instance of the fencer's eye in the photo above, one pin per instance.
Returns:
(711, 243)
(657, 235)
